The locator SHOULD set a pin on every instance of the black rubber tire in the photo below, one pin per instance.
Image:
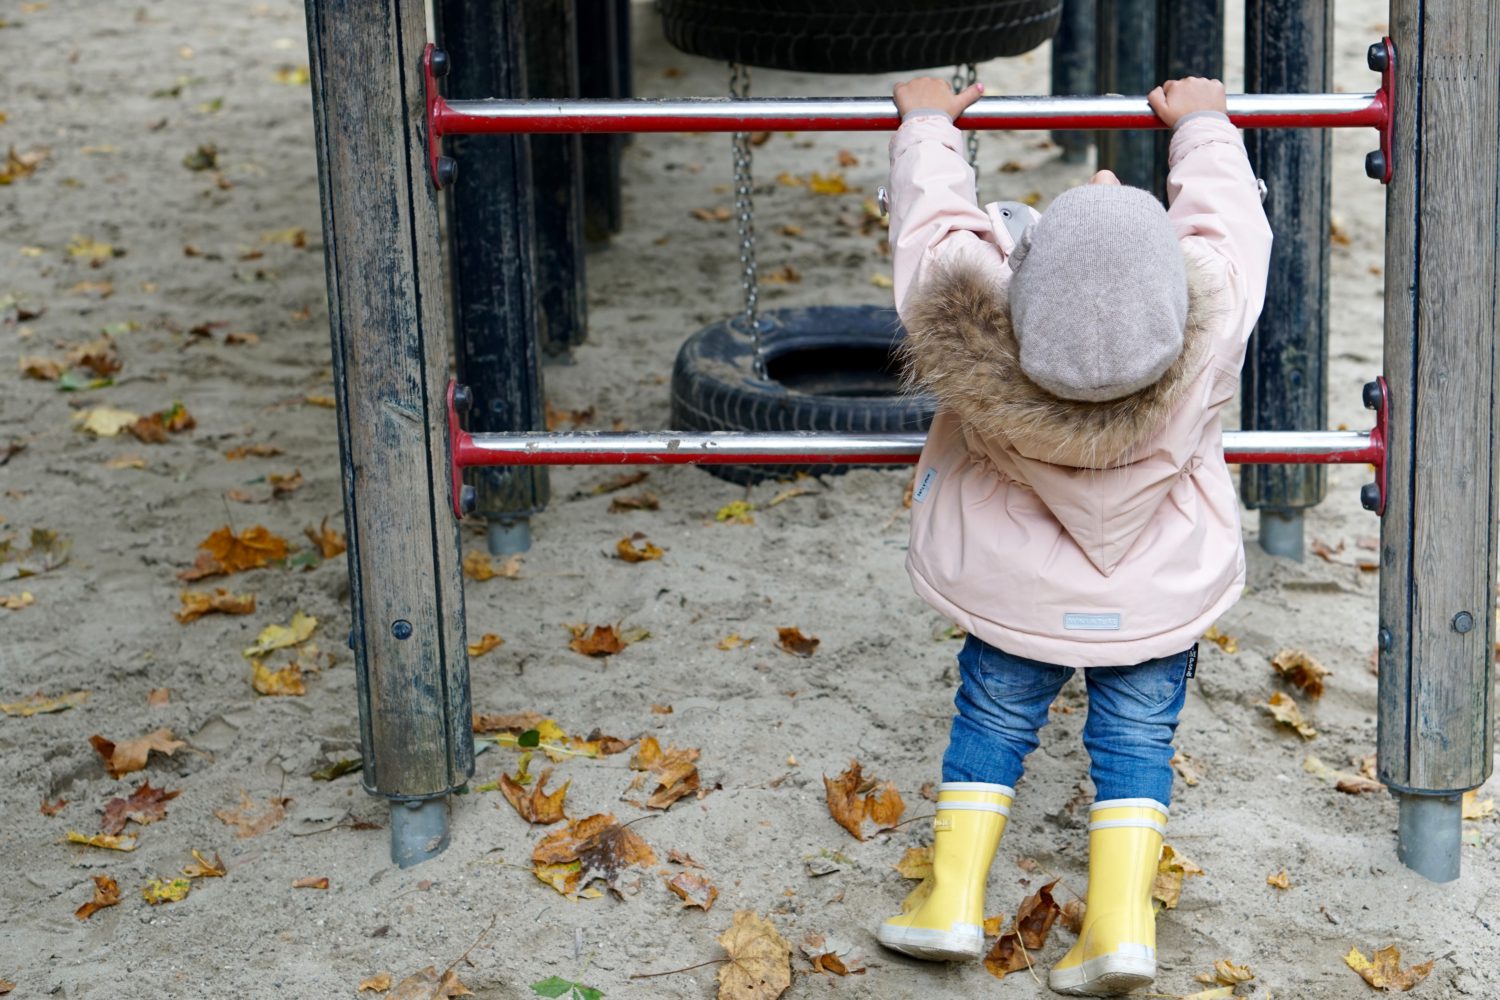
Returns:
(858, 36)
(840, 374)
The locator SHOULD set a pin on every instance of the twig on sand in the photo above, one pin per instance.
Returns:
(673, 972)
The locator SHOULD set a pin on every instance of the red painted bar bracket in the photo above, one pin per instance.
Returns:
(1382, 57)
(434, 107)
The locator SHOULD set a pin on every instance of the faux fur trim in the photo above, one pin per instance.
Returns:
(961, 347)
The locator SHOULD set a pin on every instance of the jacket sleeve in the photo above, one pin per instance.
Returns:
(1214, 199)
(933, 208)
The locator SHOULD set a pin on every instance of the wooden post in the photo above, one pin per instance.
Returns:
(1288, 50)
(602, 42)
(492, 261)
(1437, 581)
(1073, 66)
(390, 361)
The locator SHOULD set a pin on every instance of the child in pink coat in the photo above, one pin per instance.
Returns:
(1072, 507)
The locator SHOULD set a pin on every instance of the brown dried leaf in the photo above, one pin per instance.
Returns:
(1301, 671)
(197, 603)
(285, 485)
(284, 682)
(1171, 869)
(514, 722)
(1285, 711)
(1385, 972)
(694, 889)
(626, 549)
(311, 882)
(378, 983)
(204, 868)
(145, 805)
(1071, 915)
(719, 213)
(644, 500)
(479, 566)
(124, 758)
(1280, 880)
(329, 541)
(225, 552)
(487, 642)
(258, 450)
(53, 808)
(675, 771)
(1186, 767)
(538, 807)
(760, 960)
(1226, 973)
(40, 368)
(853, 800)
(429, 985)
(1034, 919)
(1223, 640)
(40, 704)
(603, 641)
(106, 893)
(110, 842)
(251, 821)
(595, 847)
(791, 640)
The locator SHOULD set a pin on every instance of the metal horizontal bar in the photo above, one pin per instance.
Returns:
(821, 448)
(856, 114)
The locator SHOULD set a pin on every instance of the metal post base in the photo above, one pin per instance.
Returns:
(506, 538)
(419, 830)
(1281, 533)
(1428, 834)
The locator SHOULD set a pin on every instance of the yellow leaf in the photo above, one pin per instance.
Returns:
(486, 642)
(379, 983)
(882, 281)
(834, 183)
(737, 512)
(204, 868)
(126, 462)
(1171, 869)
(733, 641)
(1229, 974)
(760, 960)
(294, 75)
(319, 399)
(787, 494)
(626, 550)
(1285, 711)
(1223, 640)
(285, 682)
(39, 705)
(1216, 993)
(105, 421)
(110, 842)
(159, 891)
(1385, 972)
(280, 636)
(1475, 809)
(1032, 198)
(82, 246)
(15, 602)
(1280, 880)
(790, 180)
(479, 566)
(1301, 671)
(197, 603)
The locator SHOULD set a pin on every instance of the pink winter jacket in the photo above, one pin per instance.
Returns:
(1079, 534)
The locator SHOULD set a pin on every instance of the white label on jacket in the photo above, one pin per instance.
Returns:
(924, 487)
(1091, 623)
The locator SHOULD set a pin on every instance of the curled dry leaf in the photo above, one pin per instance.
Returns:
(329, 541)
(204, 868)
(1383, 970)
(109, 842)
(225, 552)
(106, 893)
(104, 421)
(430, 985)
(737, 512)
(830, 953)
(378, 983)
(258, 450)
(514, 722)
(1071, 915)
(675, 771)
(487, 642)
(479, 566)
(145, 805)
(760, 960)
(1186, 768)
(604, 640)
(1014, 948)
(626, 549)
(274, 637)
(1223, 640)
(1344, 781)
(197, 603)
(538, 807)
(40, 704)
(595, 847)
(1285, 711)
(130, 756)
(854, 800)
(311, 882)
(1171, 869)
(159, 891)
(284, 682)
(53, 808)
(791, 640)
(1301, 671)
(732, 641)
(1226, 973)
(1280, 880)
(693, 889)
(644, 500)
(251, 821)
(1476, 808)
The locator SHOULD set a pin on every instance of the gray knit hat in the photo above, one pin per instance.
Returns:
(1099, 297)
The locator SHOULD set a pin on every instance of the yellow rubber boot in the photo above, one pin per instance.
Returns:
(948, 926)
(1116, 949)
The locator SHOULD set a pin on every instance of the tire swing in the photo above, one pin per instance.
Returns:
(822, 368)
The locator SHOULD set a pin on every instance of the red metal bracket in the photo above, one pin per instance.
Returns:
(1382, 57)
(457, 439)
(1378, 437)
(434, 105)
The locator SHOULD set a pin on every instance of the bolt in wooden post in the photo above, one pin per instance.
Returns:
(1437, 580)
(390, 361)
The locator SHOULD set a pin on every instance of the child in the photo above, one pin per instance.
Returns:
(1072, 508)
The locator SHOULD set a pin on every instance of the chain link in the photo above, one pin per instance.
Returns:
(744, 211)
(965, 76)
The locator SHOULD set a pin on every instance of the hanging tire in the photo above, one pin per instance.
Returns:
(829, 368)
(857, 36)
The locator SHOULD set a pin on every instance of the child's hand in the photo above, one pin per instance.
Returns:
(930, 92)
(1176, 99)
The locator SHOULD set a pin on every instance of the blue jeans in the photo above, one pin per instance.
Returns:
(1003, 701)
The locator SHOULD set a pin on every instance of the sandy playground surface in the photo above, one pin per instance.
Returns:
(119, 96)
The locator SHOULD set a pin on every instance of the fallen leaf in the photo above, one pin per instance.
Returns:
(737, 512)
(854, 799)
(126, 462)
(100, 289)
(109, 842)
(324, 400)
(145, 805)
(783, 275)
(787, 494)
(104, 421)
(130, 756)
(18, 165)
(294, 76)
(225, 552)
(329, 541)
(593, 848)
(159, 891)
(718, 213)
(833, 184)
(38, 704)
(98, 356)
(554, 417)
(1216, 993)
(832, 954)
(1285, 711)
(53, 808)
(1301, 671)
(284, 682)
(40, 368)
(1034, 919)
(539, 807)
(487, 642)
(675, 771)
(311, 882)
(791, 640)
(430, 985)
(285, 485)
(251, 821)
(1171, 869)
(760, 960)
(204, 868)
(246, 450)
(644, 500)
(732, 641)
(1385, 972)
(1474, 808)
(604, 640)
(626, 549)
(196, 604)
(1071, 915)
(789, 230)
(205, 157)
(620, 482)
(1186, 767)
(1226, 973)
(882, 280)
(379, 983)
(92, 250)
(338, 768)
(557, 986)
(514, 722)
(1223, 640)
(106, 893)
(1280, 880)
(274, 637)
(694, 890)
(1032, 198)
(479, 566)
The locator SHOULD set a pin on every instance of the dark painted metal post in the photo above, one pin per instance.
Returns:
(1190, 42)
(1288, 50)
(390, 370)
(492, 263)
(557, 182)
(1073, 57)
(603, 33)
(1125, 38)
(1442, 360)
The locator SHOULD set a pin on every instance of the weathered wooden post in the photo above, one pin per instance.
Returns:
(1073, 68)
(492, 262)
(1288, 50)
(1437, 560)
(390, 361)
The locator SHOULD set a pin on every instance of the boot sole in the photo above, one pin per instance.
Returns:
(1105, 976)
(931, 945)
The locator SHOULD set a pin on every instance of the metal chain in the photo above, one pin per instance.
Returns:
(744, 211)
(966, 76)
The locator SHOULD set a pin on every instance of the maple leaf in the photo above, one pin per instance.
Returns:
(106, 893)
(760, 960)
(249, 820)
(829, 953)
(627, 551)
(39, 704)
(791, 640)
(274, 637)
(109, 842)
(674, 770)
(853, 799)
(124, 758)
(1301, 671)
(1034, 919)
(145, 805)
(1280, 880)
(486, 642)
(285, 682)
(204, 868)
(1285, 711)
(159, 891)
(694, 890)
(379, 983)
(1171, 869)
(595, 847)
(428, 984)
(196, 604)
(1383, 969)
(539, 807)
(225, 552)
(329, 541)
(604, 640)
(479, 566)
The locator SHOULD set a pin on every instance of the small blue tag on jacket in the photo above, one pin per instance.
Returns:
(1079, 622)
(924, 487)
